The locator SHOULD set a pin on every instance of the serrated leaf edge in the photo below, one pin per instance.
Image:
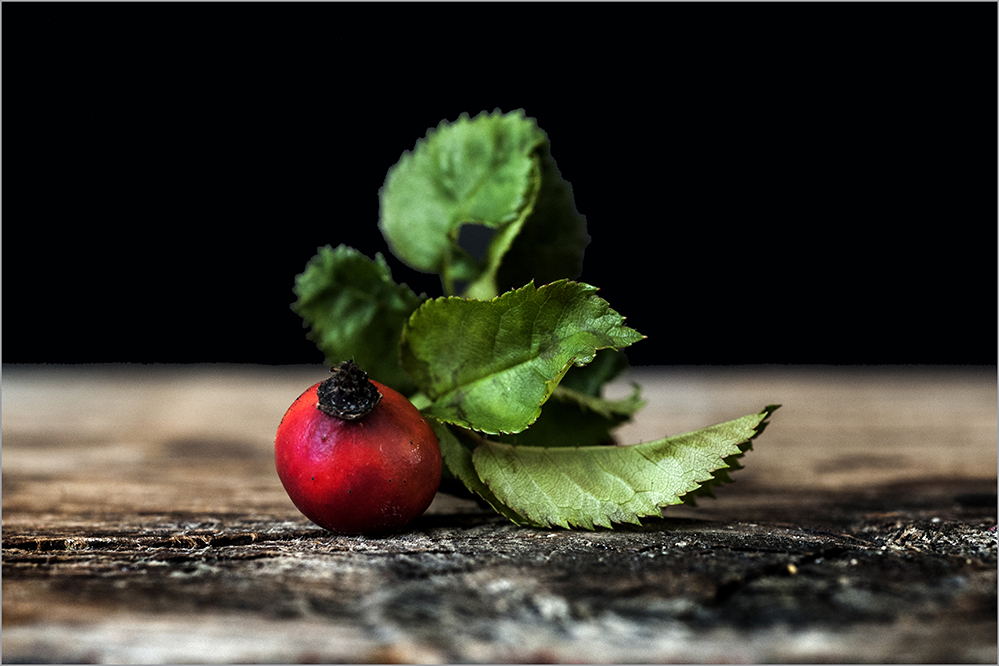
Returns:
(608, 521)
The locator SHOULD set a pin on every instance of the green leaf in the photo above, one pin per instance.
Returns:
(458, 461)
(472, 171)
(355, 310)
(590, 379)
(490, 365)
(551, 242)
(483, 286)
(601, 485)
(724, 475)
(571, 418)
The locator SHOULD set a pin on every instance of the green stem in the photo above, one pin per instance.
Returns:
(446, 280)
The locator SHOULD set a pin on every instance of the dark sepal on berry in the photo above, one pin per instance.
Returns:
(348, 394)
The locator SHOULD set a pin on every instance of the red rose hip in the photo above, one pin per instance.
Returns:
(355, 456)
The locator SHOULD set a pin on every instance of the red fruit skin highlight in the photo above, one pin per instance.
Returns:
(369, 476)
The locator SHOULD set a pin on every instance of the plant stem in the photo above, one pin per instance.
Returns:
(446, 280)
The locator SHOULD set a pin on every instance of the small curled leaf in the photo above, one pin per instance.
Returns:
(355, 310)
(481, 170)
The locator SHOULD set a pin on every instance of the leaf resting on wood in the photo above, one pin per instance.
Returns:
(600, 485)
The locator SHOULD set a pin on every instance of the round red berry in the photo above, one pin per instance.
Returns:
(357, 457)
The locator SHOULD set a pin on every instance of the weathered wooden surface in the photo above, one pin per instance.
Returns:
(143, 522)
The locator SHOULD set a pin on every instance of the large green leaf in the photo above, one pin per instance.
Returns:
(472, 171)
(490, 365)
(355, 310)
(601, 485)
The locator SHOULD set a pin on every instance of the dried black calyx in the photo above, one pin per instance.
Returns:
(348, 394)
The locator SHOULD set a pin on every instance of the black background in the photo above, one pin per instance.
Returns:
(780, 183)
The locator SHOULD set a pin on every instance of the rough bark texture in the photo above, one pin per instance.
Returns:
(143, 522)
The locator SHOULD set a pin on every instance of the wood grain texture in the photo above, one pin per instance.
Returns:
(143, 522)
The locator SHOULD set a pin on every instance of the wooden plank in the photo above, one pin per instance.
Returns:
(143, 522)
